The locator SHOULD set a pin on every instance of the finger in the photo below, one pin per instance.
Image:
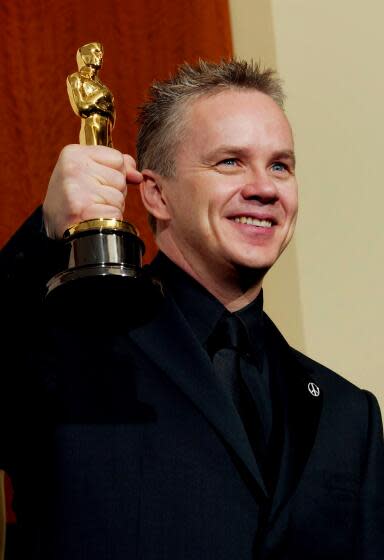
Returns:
(101, 211)
(73, 153)
(129, 161)
(107, 156)
(110, 196)
(132, 175)
(109, 176)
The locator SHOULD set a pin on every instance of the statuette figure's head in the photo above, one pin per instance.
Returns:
(91, 55)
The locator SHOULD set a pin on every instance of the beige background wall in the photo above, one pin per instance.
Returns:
(326, 294)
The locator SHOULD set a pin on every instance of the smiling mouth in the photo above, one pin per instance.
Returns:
(252, 221)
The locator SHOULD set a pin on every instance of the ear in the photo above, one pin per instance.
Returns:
(151, 190)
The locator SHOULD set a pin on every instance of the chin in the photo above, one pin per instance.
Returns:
(249, 276)
(255, 262)
(251, 271)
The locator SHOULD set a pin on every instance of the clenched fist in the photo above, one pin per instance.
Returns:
(87, 182)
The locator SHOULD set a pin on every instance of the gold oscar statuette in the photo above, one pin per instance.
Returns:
(101, 247)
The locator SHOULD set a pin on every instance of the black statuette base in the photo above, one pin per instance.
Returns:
(103, 253)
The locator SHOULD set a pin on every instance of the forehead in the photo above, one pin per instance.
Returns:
(246, 114)
(93, 48)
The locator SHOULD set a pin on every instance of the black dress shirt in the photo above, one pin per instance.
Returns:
(204, 313)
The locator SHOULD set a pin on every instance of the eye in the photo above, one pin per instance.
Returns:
(279, 166)
(230, 162)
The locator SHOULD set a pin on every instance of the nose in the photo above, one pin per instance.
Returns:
(261, 188)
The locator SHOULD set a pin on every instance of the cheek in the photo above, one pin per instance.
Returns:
(291, 203)
(295, 208)
(179, 202)
(198, 205)
(189, 211)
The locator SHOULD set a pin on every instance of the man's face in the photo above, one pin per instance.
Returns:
(233, 200)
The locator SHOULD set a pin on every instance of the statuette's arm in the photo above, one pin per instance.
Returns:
(87, 97)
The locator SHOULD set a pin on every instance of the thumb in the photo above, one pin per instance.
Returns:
(132, 175)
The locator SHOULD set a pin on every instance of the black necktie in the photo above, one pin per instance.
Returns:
(231, 354)
(224, 347)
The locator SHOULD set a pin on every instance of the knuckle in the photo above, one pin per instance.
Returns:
(71, 167)
(121, 183)
(116, 179)
(112, 155)
(74, 210)
(69, 151)
(121, 200)
(120, 160)
(130, 160)
(70, 161)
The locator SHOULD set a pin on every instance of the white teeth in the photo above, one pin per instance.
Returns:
(253, 221)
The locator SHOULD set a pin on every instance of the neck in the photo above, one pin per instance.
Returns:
(88, 72)
(244, 299)
(232, 287)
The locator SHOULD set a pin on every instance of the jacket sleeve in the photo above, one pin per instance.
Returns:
(371, 541)
(27, 262)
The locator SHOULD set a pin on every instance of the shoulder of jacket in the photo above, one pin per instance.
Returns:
(326, 377)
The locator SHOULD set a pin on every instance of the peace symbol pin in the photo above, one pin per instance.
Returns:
(313, 389)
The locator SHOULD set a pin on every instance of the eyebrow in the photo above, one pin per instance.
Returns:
(285, 154)
(243, 151)
(227, 148)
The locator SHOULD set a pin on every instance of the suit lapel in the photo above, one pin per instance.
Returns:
(170, 343)
(298, 409)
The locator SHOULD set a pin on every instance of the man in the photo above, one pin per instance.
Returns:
(192, 431)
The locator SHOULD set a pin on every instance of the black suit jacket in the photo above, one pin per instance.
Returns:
(122, 445)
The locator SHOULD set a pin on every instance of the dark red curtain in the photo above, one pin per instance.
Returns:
(143, 40)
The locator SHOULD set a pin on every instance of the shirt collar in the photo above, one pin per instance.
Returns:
(252, 318)
(199, 307)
